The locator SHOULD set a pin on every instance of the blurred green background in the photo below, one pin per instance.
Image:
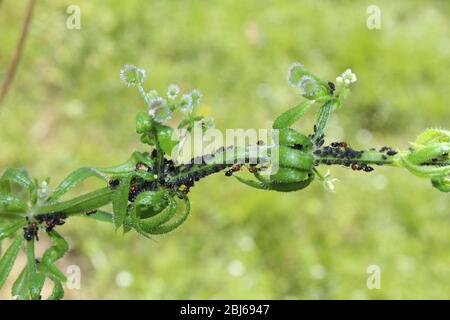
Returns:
(68, 108)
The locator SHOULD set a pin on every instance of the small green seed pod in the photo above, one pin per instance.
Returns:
(290, 138)
(288, 175)
(292, 158)
(153, 203)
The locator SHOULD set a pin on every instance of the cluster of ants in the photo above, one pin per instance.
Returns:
(51, 220)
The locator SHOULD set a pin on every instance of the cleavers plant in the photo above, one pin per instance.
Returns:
(149, 192)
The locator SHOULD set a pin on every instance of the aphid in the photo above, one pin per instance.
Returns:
(391, 152)
(260, 143)
(320, 143)
(384, 157)
(343, 144)
(113, 183)
(91, 212)
(355, 166)
(141, 166)
(332, 87)
(368, 169)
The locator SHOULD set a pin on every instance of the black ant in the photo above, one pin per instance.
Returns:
(31, 231)
(91, 212)
(235, 168)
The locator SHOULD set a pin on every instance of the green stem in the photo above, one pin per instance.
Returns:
(368, 157)
(322, 118)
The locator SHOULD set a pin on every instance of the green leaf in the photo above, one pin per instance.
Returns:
(165, 135)
(36, 283)
(20, 177)
(120, 201)
(289, 117)
(7, 261)
(99, 215)
(74, 179)
(130, 165)
(58, 290)
(143, 122)
(442, 183)
(12, 204)
(10, 229)
(35, 280)
(58, 250)
(20, 286)
(84, 203)
(52, 254)
(168, 227)
(433, 136)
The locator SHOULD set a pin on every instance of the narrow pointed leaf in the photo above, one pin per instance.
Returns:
(84, 203)
(8, 259)
(288, 118)
(20, 286)
(20, 177)
(120, 201)
(12, 204)
(74, 179)
(10, 229)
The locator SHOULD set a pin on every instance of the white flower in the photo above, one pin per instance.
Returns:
(328, 182)
(159, 110)
(131, 75)
(43, 191)
(186, 103)
(308, 84)
(196, 97)
(157, 102)
(172, 91)
(152, 94)
(296, 70)
(346, 78)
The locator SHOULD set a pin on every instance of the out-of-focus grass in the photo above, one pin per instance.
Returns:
(67, 108)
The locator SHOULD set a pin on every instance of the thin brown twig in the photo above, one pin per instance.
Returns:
(12, 68)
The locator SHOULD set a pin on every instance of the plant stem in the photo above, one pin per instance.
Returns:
(322, 118)
(368, 157)
(12, 68)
